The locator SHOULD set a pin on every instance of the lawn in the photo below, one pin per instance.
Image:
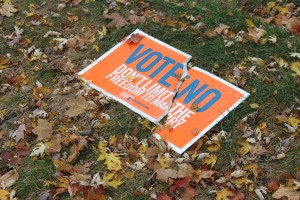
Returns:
(50, 149)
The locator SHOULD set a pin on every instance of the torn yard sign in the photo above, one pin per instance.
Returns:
(143, 75)
(202, 100)
(146, 75)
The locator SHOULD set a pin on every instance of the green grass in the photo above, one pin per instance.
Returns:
(32, 175)
(205, 52)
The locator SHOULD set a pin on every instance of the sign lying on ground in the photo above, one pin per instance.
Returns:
(143, 76)
(146, 76)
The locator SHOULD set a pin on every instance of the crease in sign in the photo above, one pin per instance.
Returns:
(152, 79)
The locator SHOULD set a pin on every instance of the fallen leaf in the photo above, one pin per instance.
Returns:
(4, 194)
(54, 144)
(135, 38)
(273, 185)
(77, 106)
(224, 194)
(185, 170)
(135, 19)
(20, 132)
(254, 168)
(254, 105)
(203, 174)
(292, 24)
(244, 148)
(164, 174)
(112, 160)
(9, 179)
(75, 150)
(117, 22)
(295, 67)
(249, 23)
(107, 178)
(255, 34)
(43, 129)
(288, 192)
(38, 150)
(7, 10)
(210, 160)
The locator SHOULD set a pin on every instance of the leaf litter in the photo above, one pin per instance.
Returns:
(63, 132)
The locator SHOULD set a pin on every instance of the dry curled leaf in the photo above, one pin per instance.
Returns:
(7, 9)
(118, 21)
(77, 106)
(135, 38)
(9, 179)
(288, 192)
(43, 129)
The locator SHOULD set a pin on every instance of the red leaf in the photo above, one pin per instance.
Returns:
(163, 197)
(189, 191)
(273, 185)
(238, 196)
(181, 183)
(5, 156)
(135, 38)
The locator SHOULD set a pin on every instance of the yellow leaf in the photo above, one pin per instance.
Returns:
(210, 160)
(254, 168)
(295, 67)
(254, 105)
(262, 125)
(112, 161)
(245, 148)
(224, 194)
(282, 10)
(293, 121)
(107, 178)
(112, 139)
(215, 146)
(271, 5)
(3, 195)
(249, 23)
(7, 1)
(164, 162)
(103, 32)
(96, 47)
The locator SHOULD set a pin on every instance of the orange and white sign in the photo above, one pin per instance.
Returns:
(143, 76)
(146, 76)
(202, 101)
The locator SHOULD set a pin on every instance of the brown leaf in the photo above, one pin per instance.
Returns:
(185, 170)
(255, 34)
(75, 150)
(292, 24)
(288, 192)
(273, 185)
(7, 10)
(163, 174)
(54, 144)
(72, 17)
(135, 19)
(77, 106)
(3, 60)
(135, 38)
(203, 174)
(117, 22)
(9, 179)
(238, 196)
(258, 149)
(71, 42)
(20, 132)
(43, 130)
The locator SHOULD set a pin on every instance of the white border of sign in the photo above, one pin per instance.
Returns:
(246, 94)
(137, 31)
